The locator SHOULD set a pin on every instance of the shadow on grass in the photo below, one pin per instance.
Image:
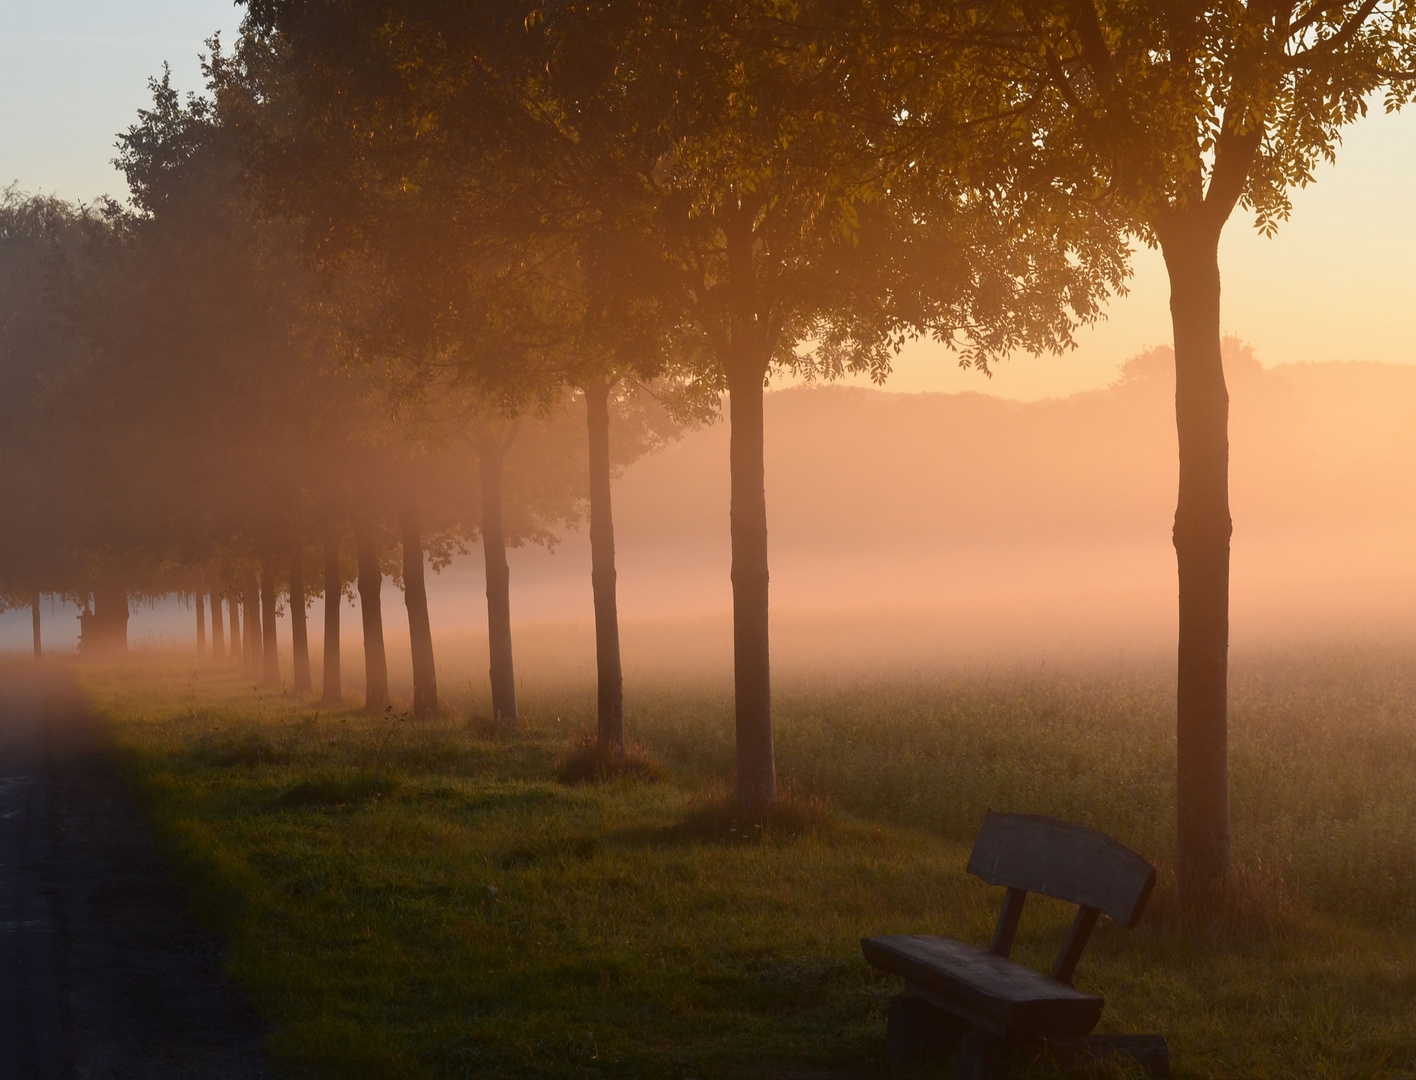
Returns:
(339, 789)
(716, 818)
(589, 763)
(1253, 904)
(246, 749)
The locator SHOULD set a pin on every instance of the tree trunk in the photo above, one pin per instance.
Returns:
(415, 598)
(333, 691)
(270, 655)
(490, 455)
(370, 581)
(602, 572)
(108, 626)
(299, 636)
(218, 638)
(1201, 536)
(200, 598)
(251, 608)
(752, 666)
(235, 609)
(86, 632)
(34, 626)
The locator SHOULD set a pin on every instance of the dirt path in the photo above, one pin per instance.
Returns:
(103, 974)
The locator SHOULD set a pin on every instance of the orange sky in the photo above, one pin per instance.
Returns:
(1337, 283)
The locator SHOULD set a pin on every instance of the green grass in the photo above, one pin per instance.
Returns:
(411, 899)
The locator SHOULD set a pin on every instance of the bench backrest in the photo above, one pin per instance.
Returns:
(1068, 862)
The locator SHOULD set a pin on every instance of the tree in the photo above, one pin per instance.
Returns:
(634, 358)
(299, 638)
(189, 420)
(671, 406)
(1186, 111)
(467, 292)
(331, 689)
(211, 424)
(366, 546)
(218, 631)
(609, 704)
(773, 209)
(38, 236)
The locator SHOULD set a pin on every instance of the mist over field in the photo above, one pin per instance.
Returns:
(620, 539)
(920, 532)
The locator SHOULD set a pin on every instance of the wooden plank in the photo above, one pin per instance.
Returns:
(1082, 866)
(953, 1008)
(1024, 1002)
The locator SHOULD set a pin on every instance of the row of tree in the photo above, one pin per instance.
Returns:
(183, 415)
(391, 225)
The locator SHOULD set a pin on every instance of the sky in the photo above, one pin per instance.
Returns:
(1335, 284)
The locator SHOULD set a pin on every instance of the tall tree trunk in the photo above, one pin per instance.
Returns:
(251, 608)
(491, 452)
(333, 691)
(1201, 536)
(34, 626)
(415, 598)
(752, 666)
(270, 654)
(218, 636)
(200, 598)
(745, 365)
(86, 631)
(299, 635)
(609, 673)
(108, 626)
(234, 608)
(370, 581)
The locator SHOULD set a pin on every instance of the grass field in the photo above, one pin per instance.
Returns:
(411, 899)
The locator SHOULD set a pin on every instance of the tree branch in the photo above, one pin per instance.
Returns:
(1312, 15)
(1062, 82)
(1386, 73)
(1094, 50)
(1329, 46)
(1234, 152)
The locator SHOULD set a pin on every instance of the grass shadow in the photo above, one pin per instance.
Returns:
(716, 818)
(589, 763)
(1252, 905)
(339, 789)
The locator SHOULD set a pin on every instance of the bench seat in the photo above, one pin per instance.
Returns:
(1013, 1000)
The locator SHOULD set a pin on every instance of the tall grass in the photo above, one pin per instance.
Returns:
(1322, 758)
(428, 899)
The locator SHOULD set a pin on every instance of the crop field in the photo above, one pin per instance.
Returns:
(429, 898)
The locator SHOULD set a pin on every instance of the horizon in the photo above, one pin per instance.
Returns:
(1006, 568)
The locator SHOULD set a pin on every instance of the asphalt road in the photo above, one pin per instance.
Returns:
(104, 974)
(31, 1026)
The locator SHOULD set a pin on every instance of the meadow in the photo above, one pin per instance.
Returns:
(429, 898)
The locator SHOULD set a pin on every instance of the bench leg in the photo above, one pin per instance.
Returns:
(914, 1027)
(979, 1056)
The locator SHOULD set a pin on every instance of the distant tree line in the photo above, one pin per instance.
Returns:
(359, 282)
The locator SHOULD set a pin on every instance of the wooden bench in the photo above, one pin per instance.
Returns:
(976, 1002)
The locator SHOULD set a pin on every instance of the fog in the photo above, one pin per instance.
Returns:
(913, 532)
